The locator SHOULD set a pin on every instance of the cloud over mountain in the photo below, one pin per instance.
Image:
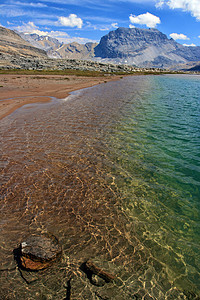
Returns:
(179, 36)
(71, 21)
(145, 19)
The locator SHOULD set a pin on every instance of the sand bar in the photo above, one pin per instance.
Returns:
(18, 90)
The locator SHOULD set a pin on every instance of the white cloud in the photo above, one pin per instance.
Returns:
(160, 4)
(114, 25)
(191, 45)
(179, 36)
(145, 19)
(192, 6)
(131, 26)
(39, 5)
(20, 11)
(30, 27)
(79, 40)
(101, 27)
(104, 28)
(71, 21)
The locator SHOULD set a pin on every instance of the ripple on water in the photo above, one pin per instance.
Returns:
(116, 180)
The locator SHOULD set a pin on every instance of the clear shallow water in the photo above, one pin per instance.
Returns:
(157, 153)
(114, 173)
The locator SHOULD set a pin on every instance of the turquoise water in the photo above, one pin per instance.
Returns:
(113, 172)
(155, 148)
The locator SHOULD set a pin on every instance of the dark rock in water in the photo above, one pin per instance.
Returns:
(96, 280)
(39, 251)
(96, 275)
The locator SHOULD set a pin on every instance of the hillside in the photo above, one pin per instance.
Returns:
(11, 44)
(77, 51)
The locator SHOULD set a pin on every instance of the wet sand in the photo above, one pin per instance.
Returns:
(18, 90)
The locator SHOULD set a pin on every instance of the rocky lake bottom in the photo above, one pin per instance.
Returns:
(112, 172)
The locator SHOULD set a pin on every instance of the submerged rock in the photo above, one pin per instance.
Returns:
(96, 280)
(38, 252)
(96, 275)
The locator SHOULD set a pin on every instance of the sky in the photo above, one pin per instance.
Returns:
(88, 20)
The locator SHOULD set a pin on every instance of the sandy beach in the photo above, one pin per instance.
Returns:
(18, 90)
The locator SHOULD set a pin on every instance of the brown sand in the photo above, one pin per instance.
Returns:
(18, 90)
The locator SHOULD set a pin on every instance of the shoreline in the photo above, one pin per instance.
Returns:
(19, 90)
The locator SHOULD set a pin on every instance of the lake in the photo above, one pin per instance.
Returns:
(114, 172)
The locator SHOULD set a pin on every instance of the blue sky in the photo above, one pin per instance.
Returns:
(89, 20)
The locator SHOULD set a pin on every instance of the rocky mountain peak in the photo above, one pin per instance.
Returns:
(42, 42)
(124, 41)
(144, 48)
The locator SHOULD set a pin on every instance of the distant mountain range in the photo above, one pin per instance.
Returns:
(56, 49)
(134, 46)
(147, 48)
(46, 43)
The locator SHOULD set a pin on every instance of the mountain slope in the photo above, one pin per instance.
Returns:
(56, 49)
(46, 43)
(12, 45)
(145, 48)
(77, 51)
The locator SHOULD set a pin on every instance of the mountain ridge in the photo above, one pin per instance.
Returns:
(56, 49)
(42, 42)
(144, 48)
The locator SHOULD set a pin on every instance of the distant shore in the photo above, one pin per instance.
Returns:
(17, 90)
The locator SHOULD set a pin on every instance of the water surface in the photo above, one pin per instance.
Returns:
(113, 172)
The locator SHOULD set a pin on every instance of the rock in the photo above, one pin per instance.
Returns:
(17, 62)
(38, 252)
(96, 280)
(96, 275)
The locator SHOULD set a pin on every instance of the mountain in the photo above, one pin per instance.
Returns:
(144, 48)
(46, 43)
(134, 46)
(56, 49)
(12, 45)
(147, 48)
(77, 51)
(195, 68)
